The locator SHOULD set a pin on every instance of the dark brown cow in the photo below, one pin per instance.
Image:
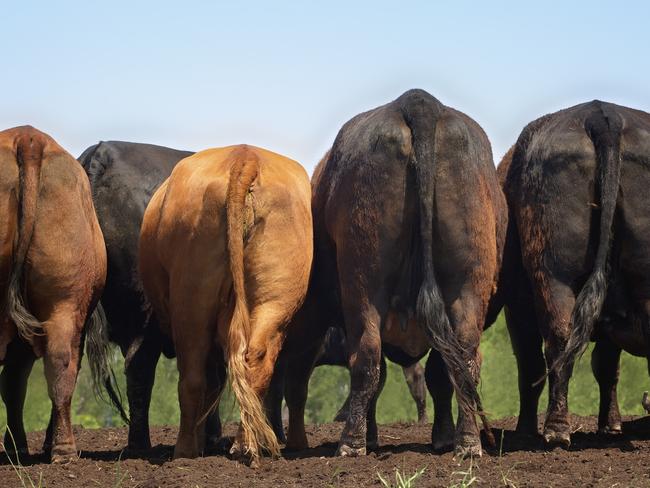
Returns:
(225, 256)
(577, 262)
(52, 271)
(409, 222)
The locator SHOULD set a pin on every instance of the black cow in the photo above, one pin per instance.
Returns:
(123, 177)
(577, 260)
(409, 223)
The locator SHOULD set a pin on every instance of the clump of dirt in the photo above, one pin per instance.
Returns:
(592, 460)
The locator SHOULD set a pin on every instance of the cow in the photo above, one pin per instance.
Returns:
(123, 178)
(225, 256)
(576, 265)
(409, 225)
(52, 272)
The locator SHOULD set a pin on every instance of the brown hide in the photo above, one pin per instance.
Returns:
(236, 212)
(52, 269)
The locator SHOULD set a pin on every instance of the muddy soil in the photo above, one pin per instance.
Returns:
(592, 460)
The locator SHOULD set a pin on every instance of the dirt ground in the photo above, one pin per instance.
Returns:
(592, 460)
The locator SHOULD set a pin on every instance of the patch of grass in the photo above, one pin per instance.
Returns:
(335, 479)
(464, 479)
(506, 474)
(119, 475)
(22, 474)
(401, 480)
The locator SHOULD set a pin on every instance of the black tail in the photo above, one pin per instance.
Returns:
(604, 127)
(98, 350)
(421, 112)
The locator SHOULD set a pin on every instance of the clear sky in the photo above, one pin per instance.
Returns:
(287, 75)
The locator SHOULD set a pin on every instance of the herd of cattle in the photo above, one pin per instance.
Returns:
(408, 241)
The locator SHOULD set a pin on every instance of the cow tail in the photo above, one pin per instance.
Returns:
(29, 157)
(604, 128)
(257, 433)
(421, 117)
(99, 359)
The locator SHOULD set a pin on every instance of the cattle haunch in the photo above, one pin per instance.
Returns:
(577, 265)
(52, 272)
(225, 255)
(409, 224)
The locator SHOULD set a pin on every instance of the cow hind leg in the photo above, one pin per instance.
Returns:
(49, 432)
(61, 366)
(441, 390)
(216, 381)
(467, 322)
(362, 324)
(140, 375)
(265, 343)
(527, 346)
(605, 360)
(13, 388)
(558, 306)
(299, 368)
(414, 376)
(273, 400)
(342, 413)
(193, 338)
(372, 437)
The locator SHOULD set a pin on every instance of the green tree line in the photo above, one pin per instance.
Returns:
(329, 387)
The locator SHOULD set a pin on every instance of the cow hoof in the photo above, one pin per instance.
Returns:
(240, 451)
(185, 453)
(613, 429)
(527, 430)
(237, 449)
(443, 445)
(64, 454)
(554, 438)
(347, 451)
(468, 451)
(297, 442)
(372, 439)
(218, 445)
(138, 447)
(442, 440)
(282, 439)
(244, 455)
(527, 426)
(17, 454)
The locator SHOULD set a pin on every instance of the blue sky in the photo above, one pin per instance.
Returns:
(287, 75)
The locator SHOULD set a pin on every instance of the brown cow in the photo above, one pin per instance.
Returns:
(225, 257)
(52, 271)
(409, 224)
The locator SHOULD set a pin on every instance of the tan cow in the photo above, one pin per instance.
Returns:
(52, 272)
(225, 257)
